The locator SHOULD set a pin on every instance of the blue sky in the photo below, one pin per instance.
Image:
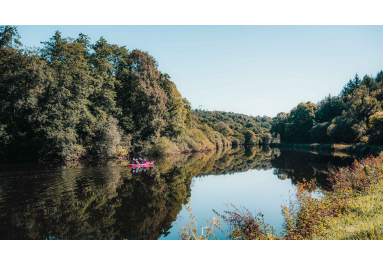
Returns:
(257, 70)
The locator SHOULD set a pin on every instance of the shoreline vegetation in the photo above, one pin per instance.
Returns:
(359, 148)
(350, 209)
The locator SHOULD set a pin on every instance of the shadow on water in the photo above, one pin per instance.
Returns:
(106, 200)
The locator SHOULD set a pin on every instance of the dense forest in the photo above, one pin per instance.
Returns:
(72, 99)
(354, 116)
(239, 128)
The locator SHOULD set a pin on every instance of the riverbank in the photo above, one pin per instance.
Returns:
(350, 208)
(349, 148)
(362, 219)
(88, 158)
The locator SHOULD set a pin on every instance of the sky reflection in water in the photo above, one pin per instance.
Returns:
(105, 200)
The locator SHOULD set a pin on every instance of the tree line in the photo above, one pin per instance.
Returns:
(238, 128)
(73, 98)
(354, 116)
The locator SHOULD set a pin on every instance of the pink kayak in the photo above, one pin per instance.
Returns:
(149, 164)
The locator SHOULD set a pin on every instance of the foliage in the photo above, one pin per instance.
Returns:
(73, 98)
(375, 122)
(164, 146)
(361, 220)
(351, 86)
(244, 226)
(266, 138)
(329, 108)
(308, 217)
(349, 117)
(189, 232)
(251, 138)
(299, 123)
(319, 213)
(223, 128)
(234, 126)
(346, 130)
(318, 133)
(109, 137)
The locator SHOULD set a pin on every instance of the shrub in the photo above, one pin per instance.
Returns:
(307, 217)
(318, 133)
(108, 138)
(164, 146)
(189, 232)
(121, 151)
(347, 130)
(197, 140)
(244, 226)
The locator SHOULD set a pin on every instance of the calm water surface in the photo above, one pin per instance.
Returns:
(107, 200)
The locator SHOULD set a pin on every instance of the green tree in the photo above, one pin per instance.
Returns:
(299, 123)
(361, 104)
(329, 108)
(279, 124)
(266, 138)
(177, 111)
(376, 128)
(318, 133)
(351, 86)
(346, 130)
(141, 98)
(223, 128)
(103, 97)
(251, 138)
(65, 116)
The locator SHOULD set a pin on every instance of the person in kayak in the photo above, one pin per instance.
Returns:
(143, 161)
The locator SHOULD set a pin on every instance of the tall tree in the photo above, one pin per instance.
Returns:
(65, 117)
(141, 98)
(299, 123)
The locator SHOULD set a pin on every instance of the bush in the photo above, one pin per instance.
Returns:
(308, 217)
(164, 146)
(347, 130)
(109, 138)
(318, 133)
(197, 140)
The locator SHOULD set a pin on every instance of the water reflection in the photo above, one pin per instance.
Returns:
(105, 200)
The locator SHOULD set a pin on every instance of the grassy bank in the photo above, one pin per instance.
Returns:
(361, 220)
(351, 148)
(351, 208)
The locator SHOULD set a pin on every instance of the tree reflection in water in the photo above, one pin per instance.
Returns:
(107, 201)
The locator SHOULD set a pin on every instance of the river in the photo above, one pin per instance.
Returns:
(107, 200)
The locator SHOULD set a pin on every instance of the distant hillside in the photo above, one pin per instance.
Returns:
(240, 128)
